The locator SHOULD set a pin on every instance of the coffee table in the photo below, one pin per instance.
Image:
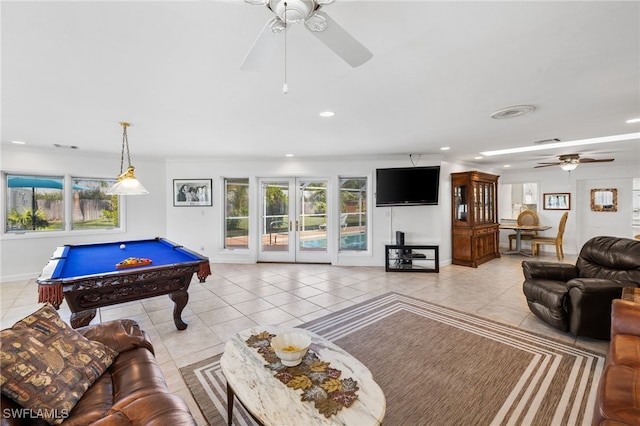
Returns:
(271, 402)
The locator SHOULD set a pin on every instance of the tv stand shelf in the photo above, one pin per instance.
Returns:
(403, 258)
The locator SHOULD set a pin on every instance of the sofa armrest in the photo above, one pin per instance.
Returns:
(549, 270)
(625, 317)
(590, 305)
(119, 335)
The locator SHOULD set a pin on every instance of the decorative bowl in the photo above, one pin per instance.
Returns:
(291, 347)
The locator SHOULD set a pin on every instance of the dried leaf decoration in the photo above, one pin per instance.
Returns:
(318, 382)
(332, 385)
(300, 382)
(260, 340)
(328, 407)
(314, 393)
(333, 373)
(345, 398)
(349, 385)
(319, 366)
(284, 376)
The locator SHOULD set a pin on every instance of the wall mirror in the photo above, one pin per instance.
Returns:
(604, 200)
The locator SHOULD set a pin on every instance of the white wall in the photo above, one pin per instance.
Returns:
(201, 228)
(24, 256)
(579, 183)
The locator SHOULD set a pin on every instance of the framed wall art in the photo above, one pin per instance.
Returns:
(556, 201)
(604, 200)
(192, 192)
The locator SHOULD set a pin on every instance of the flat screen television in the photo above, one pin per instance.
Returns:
(407, 186)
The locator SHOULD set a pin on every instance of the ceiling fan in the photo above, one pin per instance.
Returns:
(569, 162)
(319, 23)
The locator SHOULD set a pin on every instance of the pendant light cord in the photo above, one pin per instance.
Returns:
(125, 143)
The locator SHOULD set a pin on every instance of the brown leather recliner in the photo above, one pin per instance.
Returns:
(578, 298)
(132, 391)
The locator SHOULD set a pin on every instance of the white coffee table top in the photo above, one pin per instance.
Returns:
(273, 402)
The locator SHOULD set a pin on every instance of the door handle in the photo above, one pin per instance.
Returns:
(290, 225)
(297, 229)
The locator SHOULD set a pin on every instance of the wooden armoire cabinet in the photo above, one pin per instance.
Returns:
(475, 233)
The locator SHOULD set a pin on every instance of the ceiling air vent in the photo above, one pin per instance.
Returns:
(513, 111)
(57, 145)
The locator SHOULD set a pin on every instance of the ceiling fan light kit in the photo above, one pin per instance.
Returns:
(569, 162)
(328, 31)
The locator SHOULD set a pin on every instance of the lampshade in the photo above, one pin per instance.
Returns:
(569, 166)
(127, 183)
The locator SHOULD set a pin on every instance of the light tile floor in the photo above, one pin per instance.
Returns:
(240, 296)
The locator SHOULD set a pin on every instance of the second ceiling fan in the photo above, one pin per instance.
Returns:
(571, 161)
(319, 23)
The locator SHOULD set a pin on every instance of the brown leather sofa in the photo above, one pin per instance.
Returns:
(577, 298)
(618, 399)
(132, 391)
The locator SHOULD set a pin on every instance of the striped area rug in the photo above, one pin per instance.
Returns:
(438, 366)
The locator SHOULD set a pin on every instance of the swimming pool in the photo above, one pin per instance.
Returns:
(347, 242)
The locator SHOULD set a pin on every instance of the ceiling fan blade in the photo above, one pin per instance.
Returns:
(592, 160)
(341, 42)
(264, 47)
(546, 165)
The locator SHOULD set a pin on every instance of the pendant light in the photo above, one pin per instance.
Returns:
(127, 183)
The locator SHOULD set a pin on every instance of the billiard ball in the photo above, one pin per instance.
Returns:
(122, 246)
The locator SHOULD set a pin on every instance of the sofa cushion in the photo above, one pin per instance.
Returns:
(619, 398)
(46, 366)
(625, 350)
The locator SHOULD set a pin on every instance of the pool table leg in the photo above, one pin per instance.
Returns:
(82, 318)
(180, 298)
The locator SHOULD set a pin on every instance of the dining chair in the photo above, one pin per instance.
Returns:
(526, 217)
(557, 240)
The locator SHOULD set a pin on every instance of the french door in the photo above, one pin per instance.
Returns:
(293, 221)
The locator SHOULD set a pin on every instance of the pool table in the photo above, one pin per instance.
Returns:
(87, 277)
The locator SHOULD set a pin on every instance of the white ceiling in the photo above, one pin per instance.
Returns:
(72, 70)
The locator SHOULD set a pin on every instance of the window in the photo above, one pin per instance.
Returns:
(92, 208)
(353, 214)
(236, 214)
(34, 203)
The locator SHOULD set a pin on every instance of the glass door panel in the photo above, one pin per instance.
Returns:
(275, 223)
(293, 223)
(312, 216)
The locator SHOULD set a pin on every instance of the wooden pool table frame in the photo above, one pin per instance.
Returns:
(85, 294)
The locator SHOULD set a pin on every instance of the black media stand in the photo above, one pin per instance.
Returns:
(401, 258)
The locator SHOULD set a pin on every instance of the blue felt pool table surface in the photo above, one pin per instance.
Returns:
(101, 258)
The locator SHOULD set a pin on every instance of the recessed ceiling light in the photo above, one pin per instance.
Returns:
(326, 114)
(479, 157)
(445, 148)
(507, 165)
(633, 120)
(289, 155)
(513, 111)
(604, 139)
(19, 142)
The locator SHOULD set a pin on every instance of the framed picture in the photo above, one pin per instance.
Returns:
(192, 192)
(604, 200)
(557, 201)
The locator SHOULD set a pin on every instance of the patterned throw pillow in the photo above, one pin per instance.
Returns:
(46, 366)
